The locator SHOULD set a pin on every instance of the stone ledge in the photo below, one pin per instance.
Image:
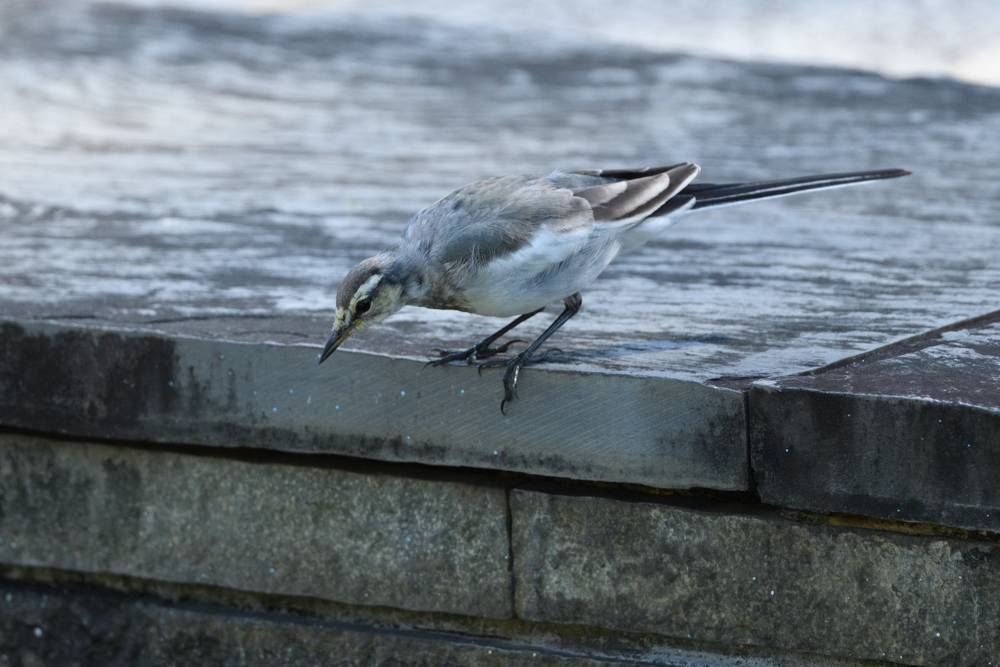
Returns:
(658, 432)
(755, 579)
(913, 434)
(366, 539)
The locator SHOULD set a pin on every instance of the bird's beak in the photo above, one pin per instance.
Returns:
(336, 339)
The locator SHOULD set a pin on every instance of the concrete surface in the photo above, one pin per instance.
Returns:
(366, 539)
(755, 578)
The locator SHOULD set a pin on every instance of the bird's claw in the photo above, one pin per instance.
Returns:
(511, 375)
(513, 365)
(448, 357)
(545, 355)
(472, 355)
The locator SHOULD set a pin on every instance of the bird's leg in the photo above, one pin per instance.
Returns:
(482, 349)
(515, 364)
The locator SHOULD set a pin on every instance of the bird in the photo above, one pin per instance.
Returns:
(510, 246)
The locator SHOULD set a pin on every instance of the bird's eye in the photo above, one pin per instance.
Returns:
(363, 306)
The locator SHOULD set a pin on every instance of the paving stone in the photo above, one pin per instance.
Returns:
(369, 539)
(912, 433)
(755, 579)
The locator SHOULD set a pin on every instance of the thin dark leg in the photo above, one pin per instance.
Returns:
(515, 364)
(482, 349)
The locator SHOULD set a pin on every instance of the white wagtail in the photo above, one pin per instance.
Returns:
(512, 245)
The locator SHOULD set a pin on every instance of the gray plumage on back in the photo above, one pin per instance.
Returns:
(512, 245)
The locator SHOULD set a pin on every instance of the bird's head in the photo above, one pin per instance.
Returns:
(369, 294)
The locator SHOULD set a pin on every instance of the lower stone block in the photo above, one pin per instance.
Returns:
(90, 628)
(371, 539)
(755, 579)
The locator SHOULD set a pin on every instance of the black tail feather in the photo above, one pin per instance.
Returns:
(710, 195)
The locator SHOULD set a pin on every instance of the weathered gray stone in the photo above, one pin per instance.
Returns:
(60, 626)
(370, 539)
(910, 433)
(169, 389)
(755, 579)
(53, 628)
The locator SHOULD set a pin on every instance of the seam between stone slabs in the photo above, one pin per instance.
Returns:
(511, 581)
(314, 460)
(751, 473)
(907, 345)
(805, 517)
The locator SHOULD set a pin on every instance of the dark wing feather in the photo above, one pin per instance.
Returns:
(629, 174)
(636, 194)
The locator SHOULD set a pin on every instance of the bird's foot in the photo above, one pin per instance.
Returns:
(514, 366)
(473, 354)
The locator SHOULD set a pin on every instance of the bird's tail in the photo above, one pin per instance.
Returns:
(713, 195)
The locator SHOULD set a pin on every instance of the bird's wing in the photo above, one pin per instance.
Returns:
(538, 219)
(629, 196)
(495, 218)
